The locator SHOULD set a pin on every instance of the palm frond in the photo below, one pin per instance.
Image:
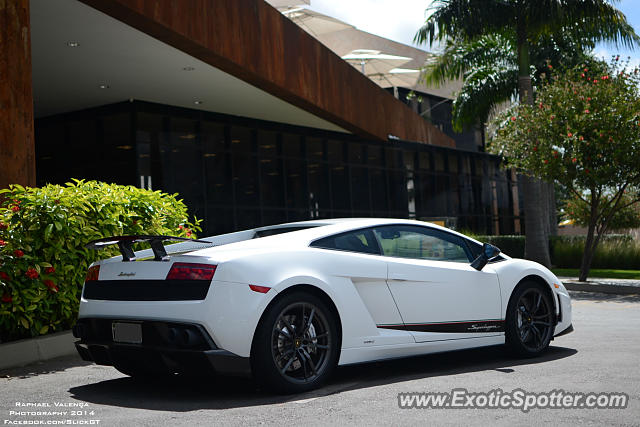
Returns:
(465, 19)
(460, 56)
(482, 91)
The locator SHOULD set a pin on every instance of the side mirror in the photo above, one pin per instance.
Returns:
(488, 253)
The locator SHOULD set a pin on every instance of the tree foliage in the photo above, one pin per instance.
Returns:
(584, 132)
(489, 69)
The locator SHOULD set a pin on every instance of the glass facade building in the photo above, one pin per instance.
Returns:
(237, 173)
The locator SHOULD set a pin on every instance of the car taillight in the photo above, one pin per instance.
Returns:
(190, 271)
(92, 273)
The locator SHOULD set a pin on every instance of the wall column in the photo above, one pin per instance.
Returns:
(17, 151)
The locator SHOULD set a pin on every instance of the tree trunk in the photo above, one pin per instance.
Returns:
(590, 244)
(537, 237)
(536, 243)
(553, 211)
(589, 250)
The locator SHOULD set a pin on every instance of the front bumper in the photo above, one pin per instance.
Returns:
(167, 347)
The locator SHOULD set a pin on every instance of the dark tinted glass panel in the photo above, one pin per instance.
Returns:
(315, 149)
(319, 190)
(398, 194)
(82, 144)
(221, 220)
(354, 241)
(273, 216)
(297, 196)
(375, 155)
(291, 145)
(245, 168)
(150, 132)
(424, 160)
(453, 163)
(335, 151)
(340, 189)
(379, 199)
(438, 161)
(51, 160)
(356, 154)
(118, 160)
(267, 144)
(217, 164)
(271, 182)
(392, 158)
(360, 190)
(185, 162)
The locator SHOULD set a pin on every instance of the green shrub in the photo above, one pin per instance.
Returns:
(621, 254)
(43, 231)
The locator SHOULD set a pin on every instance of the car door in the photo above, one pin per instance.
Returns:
(439, 295)
(354, 257)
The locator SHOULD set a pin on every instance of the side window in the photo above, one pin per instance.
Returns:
(353, 241)
(421, 243)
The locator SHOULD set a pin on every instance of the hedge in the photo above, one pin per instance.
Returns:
(43, 231)
(616, 251)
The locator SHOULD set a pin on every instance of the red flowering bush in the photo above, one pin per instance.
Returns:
(584, 133)
(43, 231)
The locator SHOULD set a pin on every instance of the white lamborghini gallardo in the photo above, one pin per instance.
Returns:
(287, 303)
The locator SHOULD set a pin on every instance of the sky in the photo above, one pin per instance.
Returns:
(400, 19)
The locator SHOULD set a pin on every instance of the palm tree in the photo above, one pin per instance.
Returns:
(488, 67)
(526, 22)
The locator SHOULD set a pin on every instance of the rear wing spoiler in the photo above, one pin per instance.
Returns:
(125, 245)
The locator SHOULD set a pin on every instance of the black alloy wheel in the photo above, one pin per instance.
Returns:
(531, 320)
(296, 344)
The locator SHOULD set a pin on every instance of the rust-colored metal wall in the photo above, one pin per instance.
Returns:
(17, 158)
(254, 42)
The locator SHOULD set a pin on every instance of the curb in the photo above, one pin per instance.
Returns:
(27, 351)
(605, 289)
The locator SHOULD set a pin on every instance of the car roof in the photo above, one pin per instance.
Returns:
(316, 229)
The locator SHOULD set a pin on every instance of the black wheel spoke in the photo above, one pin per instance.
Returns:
(301, 342)
(537, 304)
(283, 333)
(541, 323)
(288, 325)
(542, 316)
(533, 319)
(537, 337)
(306, 328)
(286, 366)
(310, 360)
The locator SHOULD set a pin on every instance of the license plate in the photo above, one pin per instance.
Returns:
(127, 332)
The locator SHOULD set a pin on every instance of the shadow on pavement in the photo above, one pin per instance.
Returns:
(226, 392)
(600, 297)
(42, 368)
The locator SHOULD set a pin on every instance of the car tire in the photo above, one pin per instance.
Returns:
(296, 344)
(530, 320)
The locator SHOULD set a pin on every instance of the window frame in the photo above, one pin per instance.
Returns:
(365, 229)
(466, 242)
(463, 242)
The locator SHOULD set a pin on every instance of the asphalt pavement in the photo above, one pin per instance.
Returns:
(602, 355)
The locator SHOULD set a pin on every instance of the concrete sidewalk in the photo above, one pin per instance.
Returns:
(607, 286)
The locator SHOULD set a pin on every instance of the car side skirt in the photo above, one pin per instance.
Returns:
(480, 326)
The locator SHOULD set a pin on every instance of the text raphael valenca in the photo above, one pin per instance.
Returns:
(52, 405)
